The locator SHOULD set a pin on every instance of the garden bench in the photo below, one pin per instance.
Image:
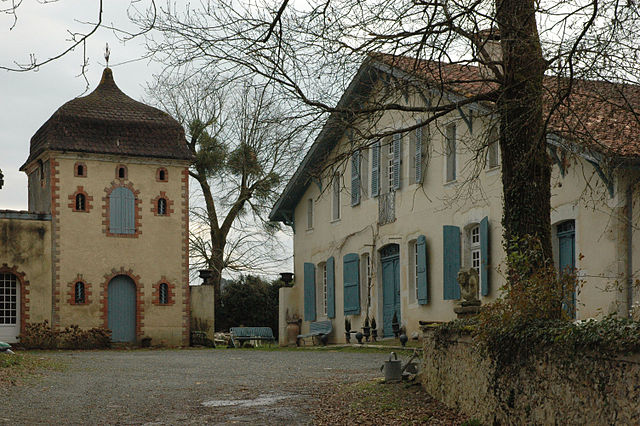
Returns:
(243, 334)
(320, 329)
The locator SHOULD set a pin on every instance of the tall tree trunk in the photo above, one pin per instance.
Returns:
(526, 169)
(216, 264)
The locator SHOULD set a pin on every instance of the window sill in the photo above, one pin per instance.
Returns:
(334, 220)
(450, 183)
(309, 230)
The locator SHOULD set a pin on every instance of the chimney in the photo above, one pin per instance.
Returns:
(488, 51)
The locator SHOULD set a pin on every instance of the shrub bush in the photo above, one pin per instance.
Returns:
(41, 336)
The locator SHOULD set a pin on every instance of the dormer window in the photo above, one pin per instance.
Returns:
(80, 170)
(162, 175)
(121, 172)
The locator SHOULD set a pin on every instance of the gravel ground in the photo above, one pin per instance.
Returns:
(184, 386)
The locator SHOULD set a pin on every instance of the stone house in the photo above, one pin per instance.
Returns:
(383, 227)
(105, 240)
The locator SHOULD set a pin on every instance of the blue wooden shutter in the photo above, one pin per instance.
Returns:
(116, 201)
(122, 211)
(451, 258)
(309, 292)
(418, 154)
(331, 287)
(421, 270)
(355, 178)
(484, 256)
(397, 155)
(351, 277)
(375, 170)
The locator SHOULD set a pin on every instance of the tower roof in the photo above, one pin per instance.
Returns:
(109, 122)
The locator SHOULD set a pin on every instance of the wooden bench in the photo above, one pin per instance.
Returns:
(243, 334)
(320, 329)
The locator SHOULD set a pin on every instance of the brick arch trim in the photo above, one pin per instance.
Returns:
(104, 296)
(24, 293)
(106, 209)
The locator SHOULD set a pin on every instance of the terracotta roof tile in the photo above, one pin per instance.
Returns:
(109, 122)
(597, 114)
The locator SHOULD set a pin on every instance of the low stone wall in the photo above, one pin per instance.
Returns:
(550, 389)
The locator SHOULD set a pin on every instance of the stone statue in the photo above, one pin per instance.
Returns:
(469, 284)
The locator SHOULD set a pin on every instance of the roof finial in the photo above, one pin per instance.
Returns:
(106, 54)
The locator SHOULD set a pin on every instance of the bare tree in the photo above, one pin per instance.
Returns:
(246, 144)
(546, 52)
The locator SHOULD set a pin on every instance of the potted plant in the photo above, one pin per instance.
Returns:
(347, 329)
(366, 329)
(374, 329)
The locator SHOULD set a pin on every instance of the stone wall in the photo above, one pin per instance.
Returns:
(584, 388)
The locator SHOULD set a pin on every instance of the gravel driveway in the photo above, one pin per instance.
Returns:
(184, 386)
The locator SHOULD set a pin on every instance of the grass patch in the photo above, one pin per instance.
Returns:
(16, 368)
(377, 403)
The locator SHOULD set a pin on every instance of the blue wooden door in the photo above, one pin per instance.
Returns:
(567, 259)
(390, 292)
(122, 309)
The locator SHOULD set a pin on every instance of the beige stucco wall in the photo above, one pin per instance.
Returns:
(82, 247)
(425, 209)
(202, 309)
(25, 248)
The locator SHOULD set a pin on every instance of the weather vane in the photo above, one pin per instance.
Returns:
(106, 54)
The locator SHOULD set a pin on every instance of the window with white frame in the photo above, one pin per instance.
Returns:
(475, 248)
(450, 152)
(310, 213)
(336, 197)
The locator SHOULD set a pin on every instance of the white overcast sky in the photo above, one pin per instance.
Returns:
(28, 99)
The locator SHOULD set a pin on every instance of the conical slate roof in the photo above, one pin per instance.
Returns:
(109, 122)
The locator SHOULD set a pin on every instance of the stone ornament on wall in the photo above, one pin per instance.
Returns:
(469, 282)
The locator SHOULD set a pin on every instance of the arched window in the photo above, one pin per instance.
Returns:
(162, 175)
(163, 294)
(80, 170)
(122, 211)
(121, 172)
(79, 293)
(81, 202)
(162, 206)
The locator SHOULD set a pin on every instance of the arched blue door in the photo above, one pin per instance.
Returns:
(390, 286)
(122, 309)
